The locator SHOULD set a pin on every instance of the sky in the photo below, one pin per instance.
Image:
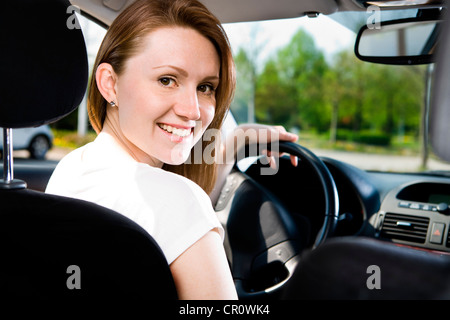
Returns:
(328, 35)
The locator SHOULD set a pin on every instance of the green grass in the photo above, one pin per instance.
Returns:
(406, 145)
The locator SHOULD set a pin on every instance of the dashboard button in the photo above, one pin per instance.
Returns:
(437, 232)
(416, 206)
(404, 204)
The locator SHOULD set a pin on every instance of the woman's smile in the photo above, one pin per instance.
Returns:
(176, 133)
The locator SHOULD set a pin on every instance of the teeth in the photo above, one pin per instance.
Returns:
(175, 131)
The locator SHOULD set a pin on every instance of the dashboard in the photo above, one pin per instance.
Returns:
(416, 214)
(407, 209)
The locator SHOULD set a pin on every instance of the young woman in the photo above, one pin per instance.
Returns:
(164, 75)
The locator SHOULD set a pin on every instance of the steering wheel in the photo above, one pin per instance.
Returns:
(263, 240)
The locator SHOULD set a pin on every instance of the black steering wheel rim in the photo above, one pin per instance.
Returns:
(328, 185)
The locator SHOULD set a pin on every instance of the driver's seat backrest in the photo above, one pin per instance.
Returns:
(55, 247)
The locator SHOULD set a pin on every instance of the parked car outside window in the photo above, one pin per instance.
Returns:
(38, 141)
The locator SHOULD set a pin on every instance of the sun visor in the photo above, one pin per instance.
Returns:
(254, 10)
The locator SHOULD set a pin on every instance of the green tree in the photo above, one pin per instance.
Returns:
(337, 88)
(244, 86)
(297, 88)
(395, 98)
(345, 84)
(276, 100)
(289, 90)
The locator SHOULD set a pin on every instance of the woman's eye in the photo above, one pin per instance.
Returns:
(206, 88)
(166, 81)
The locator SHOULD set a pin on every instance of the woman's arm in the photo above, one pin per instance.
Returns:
(202, 271)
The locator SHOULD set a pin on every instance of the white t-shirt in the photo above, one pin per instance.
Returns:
(174, 210)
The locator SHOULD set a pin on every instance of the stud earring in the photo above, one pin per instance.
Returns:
(112, 103)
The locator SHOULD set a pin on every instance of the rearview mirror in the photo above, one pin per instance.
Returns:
(406, 41)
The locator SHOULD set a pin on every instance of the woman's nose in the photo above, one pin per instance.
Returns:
(188, 107)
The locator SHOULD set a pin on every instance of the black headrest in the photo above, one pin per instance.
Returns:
(43, 62)
(440, 108)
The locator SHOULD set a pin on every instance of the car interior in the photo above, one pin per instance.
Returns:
(322, 230)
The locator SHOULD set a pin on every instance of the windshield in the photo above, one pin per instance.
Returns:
(303, 74)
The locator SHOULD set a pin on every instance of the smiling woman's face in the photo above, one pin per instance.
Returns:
(166, 91)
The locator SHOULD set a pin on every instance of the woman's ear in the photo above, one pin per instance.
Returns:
(106, 82)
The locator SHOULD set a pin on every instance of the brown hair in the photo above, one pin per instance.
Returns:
(124, 39)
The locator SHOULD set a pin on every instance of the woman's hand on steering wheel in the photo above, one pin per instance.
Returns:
(252, 133)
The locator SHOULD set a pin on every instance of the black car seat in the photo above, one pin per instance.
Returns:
(55, 247)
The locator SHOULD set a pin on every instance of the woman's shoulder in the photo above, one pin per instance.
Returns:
(67, 168)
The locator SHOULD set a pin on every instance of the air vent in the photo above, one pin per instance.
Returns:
(405, 227)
